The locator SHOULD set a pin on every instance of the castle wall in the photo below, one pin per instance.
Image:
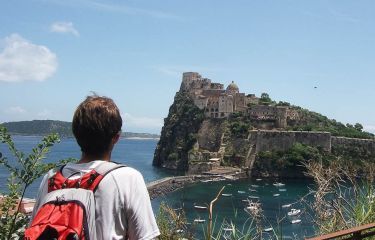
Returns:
(283, 140)
(368, 144)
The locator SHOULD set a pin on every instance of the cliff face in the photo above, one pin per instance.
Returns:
(178, 134)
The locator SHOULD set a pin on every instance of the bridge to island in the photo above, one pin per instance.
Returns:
(166, 185)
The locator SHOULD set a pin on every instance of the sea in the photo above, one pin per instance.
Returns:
(229, 209)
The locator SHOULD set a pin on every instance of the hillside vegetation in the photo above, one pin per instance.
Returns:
(64, 129)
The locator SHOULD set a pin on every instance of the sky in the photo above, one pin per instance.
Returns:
(55, 53)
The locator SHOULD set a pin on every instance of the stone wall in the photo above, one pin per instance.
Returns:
(283, 140)
(368, 144)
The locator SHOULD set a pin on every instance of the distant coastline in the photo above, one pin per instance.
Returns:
(45, 127)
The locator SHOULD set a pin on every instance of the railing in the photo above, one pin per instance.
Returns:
(355, 233)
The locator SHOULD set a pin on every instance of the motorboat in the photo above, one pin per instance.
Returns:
(198, 220)
(253, 197)
(268, 229)
(295, 221)
(279, 184)
(282, 190)
(226, 194)
(200, 207)
(241, 192)
(252, 190)
(286, 205)
(254, 185)
(276, 194)
(294, 212)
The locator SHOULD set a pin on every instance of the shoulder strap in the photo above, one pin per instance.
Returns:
(103, 169)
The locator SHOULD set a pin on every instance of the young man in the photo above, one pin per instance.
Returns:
(122, 204)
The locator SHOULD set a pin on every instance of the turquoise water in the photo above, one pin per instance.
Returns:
(139, 154)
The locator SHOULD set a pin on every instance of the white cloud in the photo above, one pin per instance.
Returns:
(21, 60)
(64, 27)
(16, 110)
(131, 121)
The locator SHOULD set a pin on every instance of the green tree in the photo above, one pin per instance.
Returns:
(22, 173)
(358, 127)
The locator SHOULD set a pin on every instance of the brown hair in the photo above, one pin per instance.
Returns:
(95, 122)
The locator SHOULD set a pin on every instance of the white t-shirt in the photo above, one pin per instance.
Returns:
(122, 203)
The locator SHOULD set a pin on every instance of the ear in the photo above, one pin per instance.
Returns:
(116, 138)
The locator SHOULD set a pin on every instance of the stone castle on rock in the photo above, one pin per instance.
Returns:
(218, 102)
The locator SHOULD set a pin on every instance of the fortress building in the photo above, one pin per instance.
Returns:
(218, 102)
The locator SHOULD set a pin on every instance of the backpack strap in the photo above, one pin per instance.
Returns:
(89, 181)
(105, 168)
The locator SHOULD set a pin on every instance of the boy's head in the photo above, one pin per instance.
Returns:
(96, 122)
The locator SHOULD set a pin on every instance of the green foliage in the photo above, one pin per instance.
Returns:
(24, 171)
(273, 161)
(179, 131)
(312, 121)
(172, 224)
(40, 127)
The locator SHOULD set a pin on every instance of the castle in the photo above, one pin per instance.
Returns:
(218, 102)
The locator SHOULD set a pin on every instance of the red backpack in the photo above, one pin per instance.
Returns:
(67, 212)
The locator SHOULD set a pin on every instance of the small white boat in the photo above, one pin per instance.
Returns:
(252, 190)
(279, 184)
(282, 190)
(294, 212)
(295, 221)
(241, 192)
(229, 184)
(276, 194)
(206, 181)
(198, 220)
(254, 185)
(286, 205)
(226, 194)
(179, 231)
(200, 207)
(253, 197)
(258, 179)
(268, 229)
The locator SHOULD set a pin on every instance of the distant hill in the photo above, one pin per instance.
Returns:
(64, 129)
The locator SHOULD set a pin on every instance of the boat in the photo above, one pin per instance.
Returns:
(268, 229)
(200, 207)
(252, 190)
(226, 194)
(279, 184)
(276, 194)
(228, 229)
(295, 221)
(294, 212)
(198, 220)
(206, 181)
(286, 205)
(258, 179)
(253, 197)
(179, 231)
(241, 192)
(282, 190)
(254, 185)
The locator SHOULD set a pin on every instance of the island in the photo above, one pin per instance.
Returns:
(210, 127)
(64, 129)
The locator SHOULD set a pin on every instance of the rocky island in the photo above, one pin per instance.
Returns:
(209, 127)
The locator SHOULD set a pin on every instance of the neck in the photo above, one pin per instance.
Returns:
(85, 158)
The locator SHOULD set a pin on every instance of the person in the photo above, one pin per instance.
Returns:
(122, 203)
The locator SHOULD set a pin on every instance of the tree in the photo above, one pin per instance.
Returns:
(22, 173)
(358, 127)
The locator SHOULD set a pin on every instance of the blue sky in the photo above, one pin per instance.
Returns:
(53, 53)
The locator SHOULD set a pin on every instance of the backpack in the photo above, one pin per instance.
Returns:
(67, 212)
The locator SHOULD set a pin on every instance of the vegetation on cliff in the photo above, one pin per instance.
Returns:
(178, 134)
(312, 121)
